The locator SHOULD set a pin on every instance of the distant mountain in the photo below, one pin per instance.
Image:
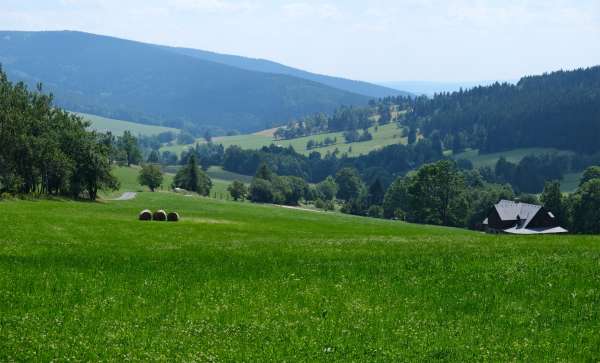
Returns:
(429, 88)
(266, 66)
(145, 83)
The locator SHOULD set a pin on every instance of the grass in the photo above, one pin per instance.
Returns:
(128, 178)
(117, 127)
(242, 282)
(569, 184)
(385, 135)
(514, 156)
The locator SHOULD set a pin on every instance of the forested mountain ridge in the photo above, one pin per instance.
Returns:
(141, 82)
(559, 110)
(267, 66)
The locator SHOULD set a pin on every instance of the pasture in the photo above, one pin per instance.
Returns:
(118, 127)
(244, 282)
(384, 135)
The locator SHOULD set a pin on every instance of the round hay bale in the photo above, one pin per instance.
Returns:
(173, 217)
(160, 215)
(145, 215)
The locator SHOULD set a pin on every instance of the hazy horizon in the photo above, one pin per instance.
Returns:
(381, 42)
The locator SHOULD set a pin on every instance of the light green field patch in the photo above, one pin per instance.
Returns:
(385, 135)
(117, 127)
(514, 156)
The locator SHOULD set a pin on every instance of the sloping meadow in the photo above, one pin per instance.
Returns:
(243, 282)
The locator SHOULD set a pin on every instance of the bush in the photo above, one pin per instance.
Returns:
(375, 211)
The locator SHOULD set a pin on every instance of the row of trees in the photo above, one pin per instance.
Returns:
(343, 119)
(189, 177)
(48, 151)
(438, 193)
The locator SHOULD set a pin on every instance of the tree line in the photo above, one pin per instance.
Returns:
(438, 193)
(559, 110)
(46, 150)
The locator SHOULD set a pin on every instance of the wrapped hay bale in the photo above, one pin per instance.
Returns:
(145, 215)
(160, 215)
(173, 217)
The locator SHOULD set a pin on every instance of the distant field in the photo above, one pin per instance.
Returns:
(569, 183)
(238, 282)
(386, 135)
(117, 127)
(514, 156)
(127, 177)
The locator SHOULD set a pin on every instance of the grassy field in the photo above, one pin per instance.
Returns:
(117, 127)
(241, 282)
(569, 183)
(128, 178)
(385, 135)
(514, 156)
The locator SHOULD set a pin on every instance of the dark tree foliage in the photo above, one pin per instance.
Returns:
(238, 190)
(586, 208)
(553, 200)
(350, 185)
(45, 150)
(376, 192)
(192, 178)
(437, 195)
(207, 154)
(560, 110)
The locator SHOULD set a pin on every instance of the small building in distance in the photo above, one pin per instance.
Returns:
(521, 218)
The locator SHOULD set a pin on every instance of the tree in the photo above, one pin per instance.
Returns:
(128, 143)
(412, 135)
(327, 189)
(349, 184)
(264, 172)
(237, 190)
(593, 172)
(437, 195)
(552, 199)
(154, 157)
(261, 191)
(151, 176)
(296, 189)
(376, 192)
(396, 198)
(192, 178)
(586, 207)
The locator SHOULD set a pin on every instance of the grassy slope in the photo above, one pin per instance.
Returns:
(241, 282)
(386, 135)
(117, 127)
(514, 156)
(569, 183)
(127, 176)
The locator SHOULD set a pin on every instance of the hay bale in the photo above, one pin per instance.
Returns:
(145, 215)
(173, 217)
(160, 215)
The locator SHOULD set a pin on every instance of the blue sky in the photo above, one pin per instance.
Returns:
(375, 40)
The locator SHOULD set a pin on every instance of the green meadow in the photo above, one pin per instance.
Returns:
(513, 156)
(117, 127)
(241, 282)
(383, 136)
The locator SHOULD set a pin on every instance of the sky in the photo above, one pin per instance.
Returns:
(374, 40)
